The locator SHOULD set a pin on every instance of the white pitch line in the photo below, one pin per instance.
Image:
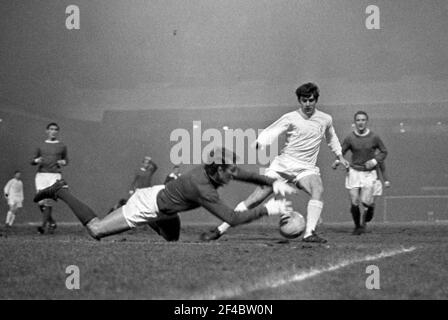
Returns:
(273, 282)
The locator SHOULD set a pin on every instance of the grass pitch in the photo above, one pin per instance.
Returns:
(250, 262)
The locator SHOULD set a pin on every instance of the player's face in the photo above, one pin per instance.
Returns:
(52, 132)
(361, 122)
(308, 105)
(225, 175)
(17, 175)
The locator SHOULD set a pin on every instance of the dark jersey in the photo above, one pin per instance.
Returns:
(363, 149)
(50, 152)
(172, 176)
(195, 189)
(142, 178)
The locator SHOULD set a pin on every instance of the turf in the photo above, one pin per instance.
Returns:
(140, 265)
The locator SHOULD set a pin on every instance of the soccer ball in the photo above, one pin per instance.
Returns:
(292, 225)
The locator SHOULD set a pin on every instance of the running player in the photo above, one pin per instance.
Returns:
(49, 156)
(305, 129)
(13, 192)
(368, 153)
(197, 188)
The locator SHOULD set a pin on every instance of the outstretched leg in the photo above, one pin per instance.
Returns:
(98, 228)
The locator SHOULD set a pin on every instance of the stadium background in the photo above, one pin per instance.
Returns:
(137, 70)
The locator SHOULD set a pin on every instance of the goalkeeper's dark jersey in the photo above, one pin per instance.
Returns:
(196, 189)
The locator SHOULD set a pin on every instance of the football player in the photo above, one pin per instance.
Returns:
(305, 129)
(197, 188)
(49, 157)
(368, 155)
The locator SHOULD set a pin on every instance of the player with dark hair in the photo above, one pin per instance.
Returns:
(197, 188)
(368, 153)
(305, 129)
(49, 156)
(13, 192)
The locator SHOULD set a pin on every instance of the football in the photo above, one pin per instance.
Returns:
(292, 225)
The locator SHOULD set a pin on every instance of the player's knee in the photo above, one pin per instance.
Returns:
(355, 201)
(317, 192)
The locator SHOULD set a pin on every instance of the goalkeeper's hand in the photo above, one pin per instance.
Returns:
(276, 207)
(282, 188)
(240, 207)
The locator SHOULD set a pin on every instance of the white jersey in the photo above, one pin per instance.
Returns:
(303, 136)
(14, 189)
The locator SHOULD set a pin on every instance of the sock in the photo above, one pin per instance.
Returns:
(11, 220)
(46, 212)
(370, 210)
(50, 218)
(223, 227)
(81, 210)
(356, 215)
(314, 210)
(8, 218)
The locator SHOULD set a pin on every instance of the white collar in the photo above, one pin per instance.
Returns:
(51, 141)
(362, 135)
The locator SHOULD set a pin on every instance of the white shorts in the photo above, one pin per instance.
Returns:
(142, 206)
(44, 180)
(15, 202)
(360, 179)
(287, 168)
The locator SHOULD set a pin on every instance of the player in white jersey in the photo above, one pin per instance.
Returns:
(13, 192)
(305, 129)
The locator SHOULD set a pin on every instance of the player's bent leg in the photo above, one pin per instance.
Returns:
(113, 223)
(312, 184)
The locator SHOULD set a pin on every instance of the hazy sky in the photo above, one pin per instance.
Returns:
(203, 53)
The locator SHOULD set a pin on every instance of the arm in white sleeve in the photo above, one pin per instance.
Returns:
(332, 140)
(268, 135)
(7, 187)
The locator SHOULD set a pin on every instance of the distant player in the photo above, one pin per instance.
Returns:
(173, 175)
(13, 192)
(197, 188)
(305, 129)
(49, 157)
(368, 155)
(143, 176)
